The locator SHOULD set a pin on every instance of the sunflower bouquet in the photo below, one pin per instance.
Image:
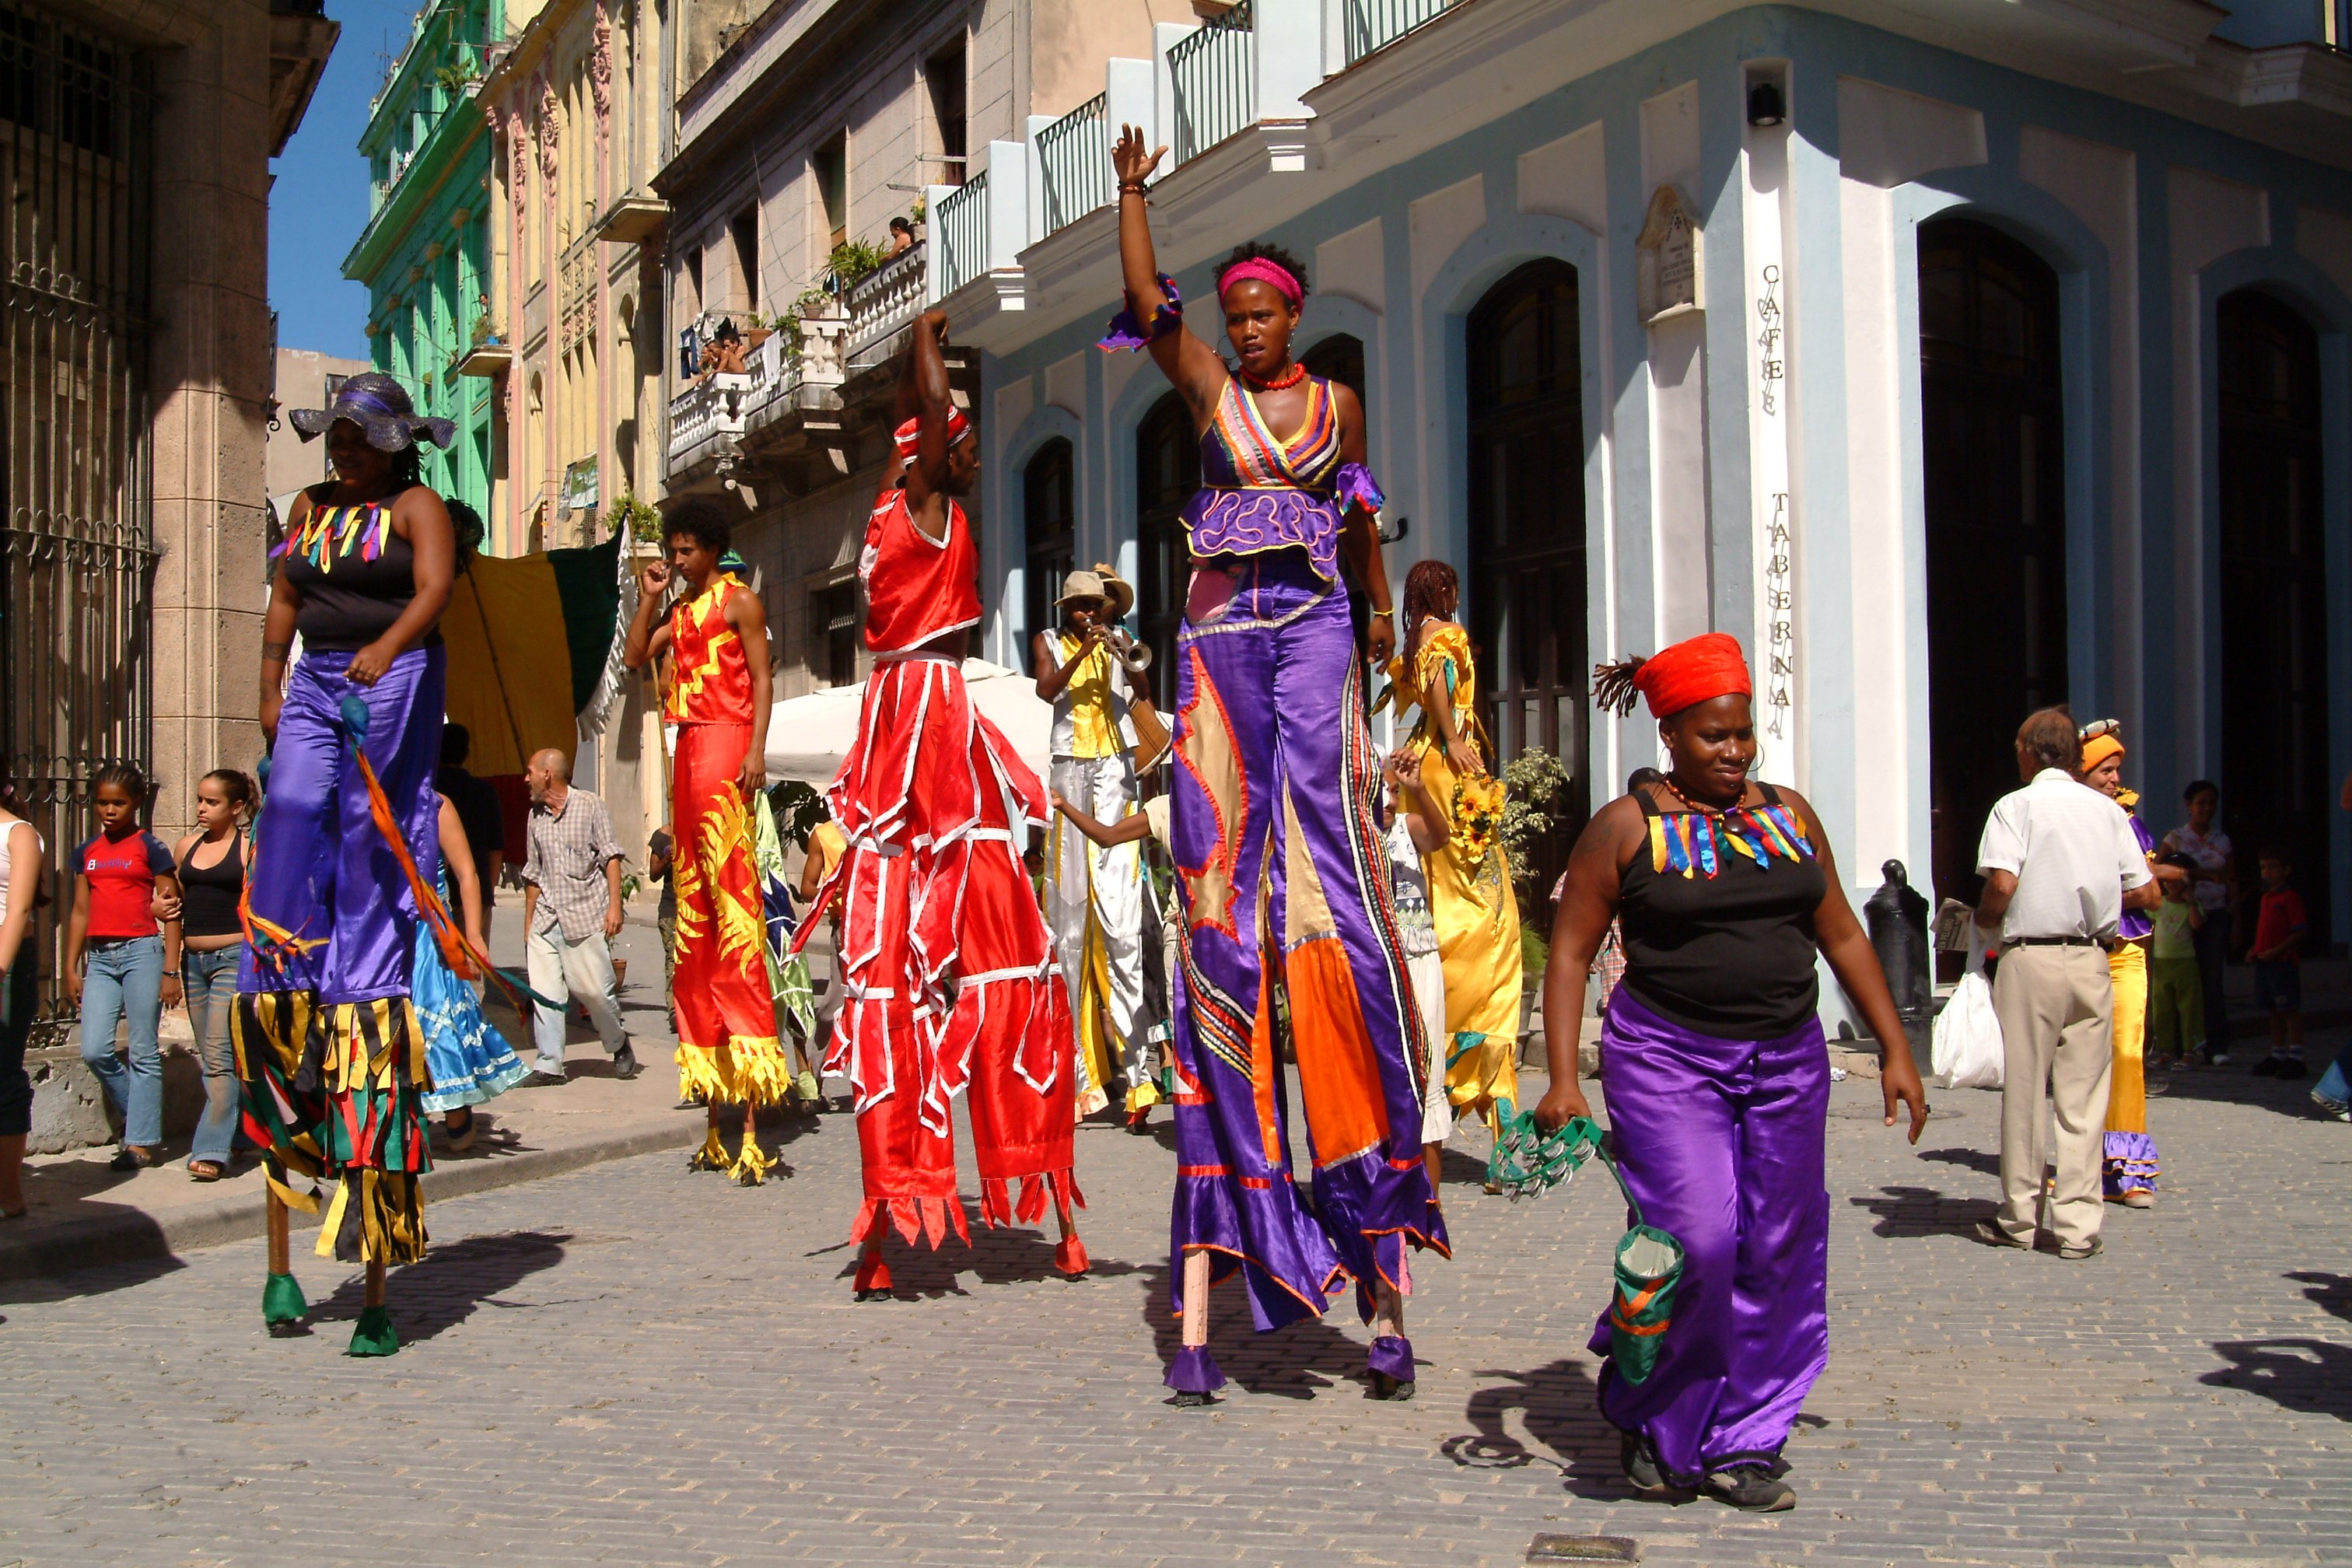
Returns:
(1478, 813)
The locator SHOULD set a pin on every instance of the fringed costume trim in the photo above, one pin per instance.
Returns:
(746, 1070)
(929, 1219)
(281, 1110)
(368, 1057)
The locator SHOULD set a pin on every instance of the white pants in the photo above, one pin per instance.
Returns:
(1426, 973)
(1096, 897)
(563, 972)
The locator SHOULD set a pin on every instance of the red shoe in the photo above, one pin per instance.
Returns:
(1070, 1258)
(873, 1282)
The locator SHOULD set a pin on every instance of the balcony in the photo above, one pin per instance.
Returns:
(1074, 163)
(960, 230)
(883, 304)
(1210, 73)
(1367, 25)
(705, 418)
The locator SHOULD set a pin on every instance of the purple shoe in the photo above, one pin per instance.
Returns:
(1195, 1376)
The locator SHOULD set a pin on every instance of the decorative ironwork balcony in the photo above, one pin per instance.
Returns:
(1075, 154)
(1211, 72)
(1370, 25)
(961, 234)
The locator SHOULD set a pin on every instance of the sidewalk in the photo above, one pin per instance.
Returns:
(84, 1214)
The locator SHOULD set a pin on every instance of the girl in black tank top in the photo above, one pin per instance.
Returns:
(1717, 1073)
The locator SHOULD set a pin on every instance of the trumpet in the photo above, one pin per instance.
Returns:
(1135, 656)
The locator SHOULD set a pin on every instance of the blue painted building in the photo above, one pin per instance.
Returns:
(1958, 359)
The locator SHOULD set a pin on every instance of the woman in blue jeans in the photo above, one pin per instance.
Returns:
(119, 967)
(212, 862)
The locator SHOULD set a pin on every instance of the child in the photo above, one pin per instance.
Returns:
(2278, 966)
(212, 866)
(134, 969)
(2176, 995)
(1415, 831)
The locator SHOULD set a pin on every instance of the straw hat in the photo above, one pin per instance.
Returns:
(1102, 583)
(375, 402)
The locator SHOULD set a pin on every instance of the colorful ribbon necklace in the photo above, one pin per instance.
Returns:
(1700, 842)
(340, 532)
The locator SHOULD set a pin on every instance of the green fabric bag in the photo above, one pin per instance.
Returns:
(1528, 1162)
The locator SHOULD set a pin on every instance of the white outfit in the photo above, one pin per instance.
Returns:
(2074, 855)
(1094, 896)
(1424, 970)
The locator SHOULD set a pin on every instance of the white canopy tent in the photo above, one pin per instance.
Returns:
(809, 736)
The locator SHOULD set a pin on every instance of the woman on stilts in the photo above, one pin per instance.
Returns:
(329, 1049)
(1277, 828)
(1716, 1071)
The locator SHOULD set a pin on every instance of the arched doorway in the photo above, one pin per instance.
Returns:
(1167, 472)
(1526, 587)
(1049, 532)
(2273, 687)
(1993, 459)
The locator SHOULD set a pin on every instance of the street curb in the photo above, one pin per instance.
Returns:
(128, 1234)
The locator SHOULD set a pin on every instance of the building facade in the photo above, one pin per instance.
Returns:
(807, 129)
(137, 139)
(1958, 359)
(303, 378)
(423, 255)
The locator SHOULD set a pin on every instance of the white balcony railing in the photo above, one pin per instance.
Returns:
(885, 301)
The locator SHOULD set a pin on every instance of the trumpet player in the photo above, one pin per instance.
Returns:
(1094, 896)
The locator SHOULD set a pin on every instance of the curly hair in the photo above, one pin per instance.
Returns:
(1257, 251)
(1425, 586)
(703, 521)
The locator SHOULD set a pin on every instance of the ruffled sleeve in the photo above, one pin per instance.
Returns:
(1129, 332)
(1354, 485)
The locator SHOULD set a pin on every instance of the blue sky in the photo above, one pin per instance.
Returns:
(319, 202)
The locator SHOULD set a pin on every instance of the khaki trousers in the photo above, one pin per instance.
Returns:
(2056, 1006)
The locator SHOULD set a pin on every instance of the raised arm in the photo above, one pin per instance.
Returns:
(649, 633)
(923, 385)
(1053, 674)
(1191, 365)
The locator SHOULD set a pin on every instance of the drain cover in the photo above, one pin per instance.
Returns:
(1545, 1549)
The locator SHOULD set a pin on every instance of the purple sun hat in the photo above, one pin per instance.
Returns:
(375, 402)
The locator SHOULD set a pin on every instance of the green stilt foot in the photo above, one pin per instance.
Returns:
(375, 1334)
(283, 1310)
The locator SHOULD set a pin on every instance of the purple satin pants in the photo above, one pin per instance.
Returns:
(1721, 1141)
(321, 870)
(1283, 872)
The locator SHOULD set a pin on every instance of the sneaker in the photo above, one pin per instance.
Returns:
(2333, 1109)
(1750, 1488)
(1641, 1465)
(2091, 1248)
(624, 1064)
(2218, 1059)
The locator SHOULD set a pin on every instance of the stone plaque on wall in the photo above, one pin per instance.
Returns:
(1667, 280)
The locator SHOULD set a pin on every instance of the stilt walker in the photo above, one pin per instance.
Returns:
(717, 638)
(329, 1049)
(1276, 830)
(945, 962)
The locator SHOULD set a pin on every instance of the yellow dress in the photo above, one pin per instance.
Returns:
(1470, 901)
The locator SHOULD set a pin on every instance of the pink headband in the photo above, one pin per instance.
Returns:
(1264, 271)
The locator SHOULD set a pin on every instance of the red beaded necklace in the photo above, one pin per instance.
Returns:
(1283, 383)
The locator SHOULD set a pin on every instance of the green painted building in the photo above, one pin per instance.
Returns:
(425, 253)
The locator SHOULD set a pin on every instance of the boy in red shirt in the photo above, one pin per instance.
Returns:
(2278, 966)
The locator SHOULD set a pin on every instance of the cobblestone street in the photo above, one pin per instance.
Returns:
(636, 1365)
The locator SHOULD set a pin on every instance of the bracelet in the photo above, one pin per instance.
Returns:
(1389, 612)
(1128, 187)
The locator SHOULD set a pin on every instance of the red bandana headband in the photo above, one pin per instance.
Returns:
(1264, 271)
(1694, 671)
(906, 435)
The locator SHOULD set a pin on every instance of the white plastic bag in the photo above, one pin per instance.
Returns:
(1965, 1051)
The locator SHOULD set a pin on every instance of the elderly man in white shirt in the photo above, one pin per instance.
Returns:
(2061, 865)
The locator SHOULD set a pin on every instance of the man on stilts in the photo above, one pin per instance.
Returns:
(945, 964)
(717, 638)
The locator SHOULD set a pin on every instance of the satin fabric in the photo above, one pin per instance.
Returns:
(1282, 868)
(2130, 1163)
(727, 1043)
(1720, 1143)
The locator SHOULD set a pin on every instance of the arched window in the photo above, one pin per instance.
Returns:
(1341, 358)
(2273, 687)
(1167, 472)
(1525, 591)
(1049, 526)
(1992, 453)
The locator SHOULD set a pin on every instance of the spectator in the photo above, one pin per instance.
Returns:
(661, 860)
(133, 968)
(2279, 931)
(2176, 995)
(902, 235)
(21, 853)
(478, 811)
(212, 862)
(2061, 865)
(826, 849)
(572, 912)
(2215, 881)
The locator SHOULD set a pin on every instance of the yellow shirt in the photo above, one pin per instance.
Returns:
(1088, 701)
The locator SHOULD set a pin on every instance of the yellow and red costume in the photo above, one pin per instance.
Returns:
(727, 1047)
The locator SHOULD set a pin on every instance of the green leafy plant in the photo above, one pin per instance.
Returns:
(455, 78)
(798, 808)
(1534, 786)
(853, 261)
(917, 213)
(641, 518)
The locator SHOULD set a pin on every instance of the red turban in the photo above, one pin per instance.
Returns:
(1697, 670)
(905, 436)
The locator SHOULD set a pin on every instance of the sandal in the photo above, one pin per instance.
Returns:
(130, 1157)
(205, 1170)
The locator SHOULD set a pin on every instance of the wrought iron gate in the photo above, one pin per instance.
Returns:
(77, 545)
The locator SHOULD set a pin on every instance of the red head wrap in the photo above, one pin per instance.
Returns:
(1264, 271)
(906, 435)
(1694, 671)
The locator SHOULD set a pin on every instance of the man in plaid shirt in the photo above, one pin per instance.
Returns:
(572, 911)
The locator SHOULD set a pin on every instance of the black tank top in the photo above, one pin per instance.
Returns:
(355, 572)
(209, 893)
(1731, 954)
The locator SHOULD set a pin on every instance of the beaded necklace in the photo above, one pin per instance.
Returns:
(1283, 383)
(1699, 842)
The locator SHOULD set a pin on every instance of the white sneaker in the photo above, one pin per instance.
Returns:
(2333, 1109)
(2220, 1059)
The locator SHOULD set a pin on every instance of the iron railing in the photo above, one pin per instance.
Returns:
(961, 232)
(1209, 69)
(1371, 24)
(77, 540)
(1073, 154)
